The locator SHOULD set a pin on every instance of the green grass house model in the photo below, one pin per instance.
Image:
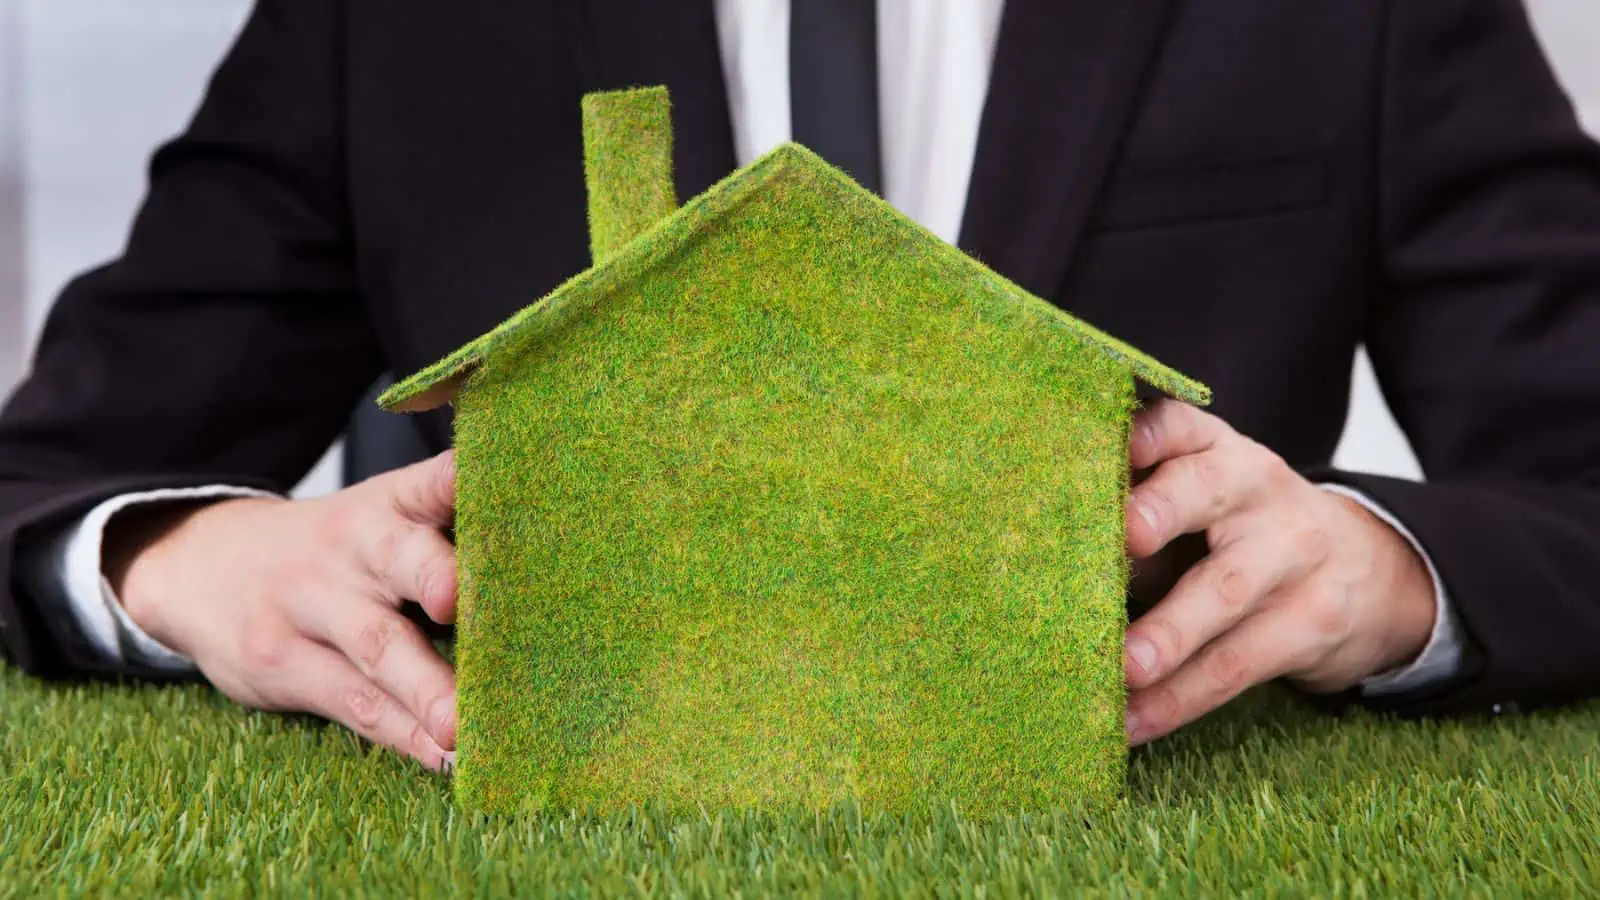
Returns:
(785, 503)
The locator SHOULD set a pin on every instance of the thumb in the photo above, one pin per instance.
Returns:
(424, 492)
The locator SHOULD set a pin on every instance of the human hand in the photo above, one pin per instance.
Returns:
(1299, 582)
(293, 605)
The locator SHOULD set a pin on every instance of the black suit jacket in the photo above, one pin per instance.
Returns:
(1247, 189)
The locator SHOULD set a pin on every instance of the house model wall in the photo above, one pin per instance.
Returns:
(785, 503)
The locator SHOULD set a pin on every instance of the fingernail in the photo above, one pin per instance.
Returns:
(1148, 429)
(1148, 514)
(1133, 724)
(449, 766)
(1143, 654)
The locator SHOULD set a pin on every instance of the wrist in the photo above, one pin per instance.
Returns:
(1404, 586)
(141, 548)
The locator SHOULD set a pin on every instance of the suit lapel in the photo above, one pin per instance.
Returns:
(630, 43)
(1066, 78)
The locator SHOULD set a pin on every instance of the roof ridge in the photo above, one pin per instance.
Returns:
(437, 383)
(1145, 367)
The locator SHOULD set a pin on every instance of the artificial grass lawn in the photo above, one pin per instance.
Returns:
(786, 503)
(143, 791)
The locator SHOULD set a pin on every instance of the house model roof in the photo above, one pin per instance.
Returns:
(789, 167)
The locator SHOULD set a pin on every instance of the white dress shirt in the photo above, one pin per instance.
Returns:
(934, 60)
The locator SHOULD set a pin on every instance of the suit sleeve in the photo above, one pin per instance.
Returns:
(227, 345)
(1486, 341)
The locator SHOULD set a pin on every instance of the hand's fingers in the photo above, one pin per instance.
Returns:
(394, 654)
(326, 683)
(1261, 648)
(1170, 428)
(1189, 494)
(1212, 597)
(424, 492)
(415, 562)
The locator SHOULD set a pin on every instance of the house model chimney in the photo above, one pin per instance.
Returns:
(627, 165)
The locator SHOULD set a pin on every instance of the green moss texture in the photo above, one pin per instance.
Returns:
(789, 504)
(627, 165)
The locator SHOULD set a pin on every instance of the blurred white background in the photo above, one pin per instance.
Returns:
(89, 87)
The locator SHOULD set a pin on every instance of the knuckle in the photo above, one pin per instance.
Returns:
(1184, 424)
(1279, 469)
(365, 705)
(1231, 585)
(1210, 482)
(1226, 668)
(423, 486)
(373, 642)
(1274, 467)
(264, 648)
(408, 491)
(1330, 617)
(1307, 540)
(386, 547)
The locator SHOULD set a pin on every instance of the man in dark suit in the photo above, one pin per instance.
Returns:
(1247, 189)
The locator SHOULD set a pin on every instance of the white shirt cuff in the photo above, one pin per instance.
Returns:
(74, 565)
(1441, 658)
